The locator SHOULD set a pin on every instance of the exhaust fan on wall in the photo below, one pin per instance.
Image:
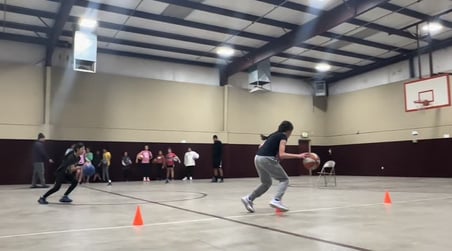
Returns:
(258, 88)
(259, 77)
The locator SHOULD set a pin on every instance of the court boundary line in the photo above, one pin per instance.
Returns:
(239, 222)
(231, 218)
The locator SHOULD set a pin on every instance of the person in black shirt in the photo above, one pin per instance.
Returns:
(66, 172)
(217, 155)
(39, 155)
(267, 165)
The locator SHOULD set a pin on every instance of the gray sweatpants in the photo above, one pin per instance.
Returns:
(38, 173)
(268, 168)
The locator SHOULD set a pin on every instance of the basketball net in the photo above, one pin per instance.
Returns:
(422, 104)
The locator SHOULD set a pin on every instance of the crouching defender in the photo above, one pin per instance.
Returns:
(66, 172)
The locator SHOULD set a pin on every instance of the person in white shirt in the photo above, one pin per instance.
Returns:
(190, 162)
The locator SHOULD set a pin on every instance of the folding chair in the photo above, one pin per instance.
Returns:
(328, 173)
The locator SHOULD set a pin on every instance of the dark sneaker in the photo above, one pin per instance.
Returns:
(42, 201)
(65, 199)
(34, 186)
(248, 204)
(44, 186)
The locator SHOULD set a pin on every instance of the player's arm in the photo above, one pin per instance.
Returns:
(284, 155)
(74, 168)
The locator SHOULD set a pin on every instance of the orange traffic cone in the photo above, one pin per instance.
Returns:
(388, 198)
(138, 221)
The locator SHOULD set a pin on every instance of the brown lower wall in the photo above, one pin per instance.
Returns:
(237, 160)
(427, 158)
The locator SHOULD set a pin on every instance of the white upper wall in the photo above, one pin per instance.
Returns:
(442, 62)
(21, 53)
(143, 68)
(14, 52)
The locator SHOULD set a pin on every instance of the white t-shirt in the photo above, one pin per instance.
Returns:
(190, 157)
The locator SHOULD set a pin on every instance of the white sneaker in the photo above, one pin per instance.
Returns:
(277, 204)
(248, 204)
(144, 179)
(184, 178)
(191, 178)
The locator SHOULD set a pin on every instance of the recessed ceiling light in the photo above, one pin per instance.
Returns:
(87, 23)
(322, 67)
(432, 27)
(224, 51)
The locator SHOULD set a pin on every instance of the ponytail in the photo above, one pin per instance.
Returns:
(285, 126)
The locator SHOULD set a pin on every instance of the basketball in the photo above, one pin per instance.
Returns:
(89, 170)
(311, 163)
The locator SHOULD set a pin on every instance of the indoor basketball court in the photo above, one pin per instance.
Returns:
(199, 216)
(344, 103)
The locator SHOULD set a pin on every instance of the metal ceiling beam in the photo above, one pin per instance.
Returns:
(43, 42)
(155, 33)
(276, 23)
(364, 42)
(228, 13)
(414, 53)
(22, 38)
(322, 23)
(54, 34)
(27, 11)
(26, 27)
(382, 28)
(155, 46)
(355, 21)
(208, 27)
(413, 13)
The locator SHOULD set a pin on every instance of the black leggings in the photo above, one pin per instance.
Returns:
(60, 178)
(146, 167)
(189, 171)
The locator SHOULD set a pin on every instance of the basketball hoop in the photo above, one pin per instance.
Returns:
(422, 103)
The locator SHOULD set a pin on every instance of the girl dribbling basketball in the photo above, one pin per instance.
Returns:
(267, 165)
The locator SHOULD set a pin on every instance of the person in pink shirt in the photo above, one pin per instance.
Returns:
(170, 161)
(144, 158)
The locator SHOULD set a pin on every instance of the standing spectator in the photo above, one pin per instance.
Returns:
(144, 157)
(79, 173)
(89, 155)
(126, 162)
(190, 163)
(97, 163)
(159, 162)
(106, 162)
(88, 169)
(170, 162)
(39, 158)
(217, 155)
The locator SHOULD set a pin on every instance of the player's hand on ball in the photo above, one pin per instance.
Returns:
(305, 155)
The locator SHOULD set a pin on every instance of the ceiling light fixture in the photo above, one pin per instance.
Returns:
(432, 27)
(322, 67)
(225, 51)
(87, 23)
